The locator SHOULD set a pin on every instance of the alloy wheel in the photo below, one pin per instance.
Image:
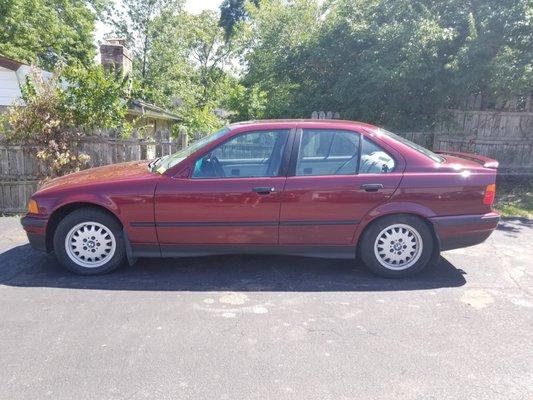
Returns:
(398, 247)
(90, 244)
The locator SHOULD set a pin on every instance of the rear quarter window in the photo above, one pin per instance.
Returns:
(375, 160)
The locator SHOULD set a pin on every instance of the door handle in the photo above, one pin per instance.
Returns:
(371, 187)
(263, 190)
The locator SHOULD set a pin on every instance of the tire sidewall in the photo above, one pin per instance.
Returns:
(366, 247)
(86, 215)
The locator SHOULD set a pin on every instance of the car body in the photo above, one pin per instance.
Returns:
(297, 187)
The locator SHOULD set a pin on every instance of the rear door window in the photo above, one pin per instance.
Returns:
(328, 152)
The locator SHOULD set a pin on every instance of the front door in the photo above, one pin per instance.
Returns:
(336, 177)
(232, 197)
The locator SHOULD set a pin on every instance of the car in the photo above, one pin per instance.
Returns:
(318, 188)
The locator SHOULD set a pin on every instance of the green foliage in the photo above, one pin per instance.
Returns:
(44, 30)
(94, 99)
(514, 196)
(184, 62)
(395, 63)
(143, 23)
(58, 110)
(247, 103)
(278, 33)
(232, 12)
(198, 120)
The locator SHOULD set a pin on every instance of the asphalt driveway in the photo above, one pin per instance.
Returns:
(255, 327)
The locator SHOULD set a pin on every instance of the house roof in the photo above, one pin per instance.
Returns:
(140, 107)
(13, 74)
(9, 63)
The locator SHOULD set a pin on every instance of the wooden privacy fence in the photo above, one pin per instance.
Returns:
(20, 170)
(504, 136)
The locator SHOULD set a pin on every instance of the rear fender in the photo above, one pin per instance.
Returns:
(393, 208)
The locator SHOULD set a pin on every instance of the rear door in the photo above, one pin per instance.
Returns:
(335, 178)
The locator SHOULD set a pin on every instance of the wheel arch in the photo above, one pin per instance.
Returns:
(421, 216)
(65, 209)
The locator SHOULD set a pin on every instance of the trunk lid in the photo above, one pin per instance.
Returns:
(468, 159)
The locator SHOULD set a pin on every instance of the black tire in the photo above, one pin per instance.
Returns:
(416, 226)
(79, 216)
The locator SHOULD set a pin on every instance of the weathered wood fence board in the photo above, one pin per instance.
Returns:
(20, 170)
(15, 192)
(422, 138)
(504, 136)
(486, 124)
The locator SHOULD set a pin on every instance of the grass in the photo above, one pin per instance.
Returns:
(514, 196)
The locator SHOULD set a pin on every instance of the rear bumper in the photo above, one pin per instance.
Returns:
(35, 228)
(464, 230)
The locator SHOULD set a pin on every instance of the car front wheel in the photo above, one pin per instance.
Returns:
(89, 242)
(397, 246)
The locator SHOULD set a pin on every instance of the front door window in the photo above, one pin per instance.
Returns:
(248, 155)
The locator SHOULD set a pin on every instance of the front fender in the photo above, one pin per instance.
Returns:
(50, 205)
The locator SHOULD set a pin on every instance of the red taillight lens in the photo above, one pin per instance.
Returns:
(490, 192)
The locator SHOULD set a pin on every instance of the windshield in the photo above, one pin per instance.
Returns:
(168, 162)
(423, 150)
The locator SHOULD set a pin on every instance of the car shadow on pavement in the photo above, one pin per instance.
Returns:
(512, 225)
(23, 267)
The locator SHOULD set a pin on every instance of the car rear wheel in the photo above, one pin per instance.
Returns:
(397, 246)
(89, 242)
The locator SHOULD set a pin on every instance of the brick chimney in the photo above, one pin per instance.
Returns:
(115, 56)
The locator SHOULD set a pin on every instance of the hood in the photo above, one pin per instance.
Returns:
(108, 174)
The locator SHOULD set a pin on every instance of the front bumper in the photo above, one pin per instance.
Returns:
(35, 227)
(459, 231)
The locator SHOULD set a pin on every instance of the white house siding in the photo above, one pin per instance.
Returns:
(9, 87)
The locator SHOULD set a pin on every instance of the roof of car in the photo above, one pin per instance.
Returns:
(314, 122)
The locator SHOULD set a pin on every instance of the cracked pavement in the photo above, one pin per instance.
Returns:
(255, 327)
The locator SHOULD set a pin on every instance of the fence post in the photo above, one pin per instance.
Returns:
(184, 139)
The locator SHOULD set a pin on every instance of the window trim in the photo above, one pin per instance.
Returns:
(283, 161)
(296, 150)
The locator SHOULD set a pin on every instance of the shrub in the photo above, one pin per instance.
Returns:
(57, 110)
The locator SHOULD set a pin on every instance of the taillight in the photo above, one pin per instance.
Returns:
(490, 192)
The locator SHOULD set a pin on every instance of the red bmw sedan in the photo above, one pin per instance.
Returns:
(318, 188)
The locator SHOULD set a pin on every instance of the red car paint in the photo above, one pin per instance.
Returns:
(172, 214)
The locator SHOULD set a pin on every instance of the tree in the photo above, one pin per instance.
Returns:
(494, 59)
(140, 22)
(233, 12)
(211, 79)
(392, 63)
(43, 31)
(278, 32)
(183, 62)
